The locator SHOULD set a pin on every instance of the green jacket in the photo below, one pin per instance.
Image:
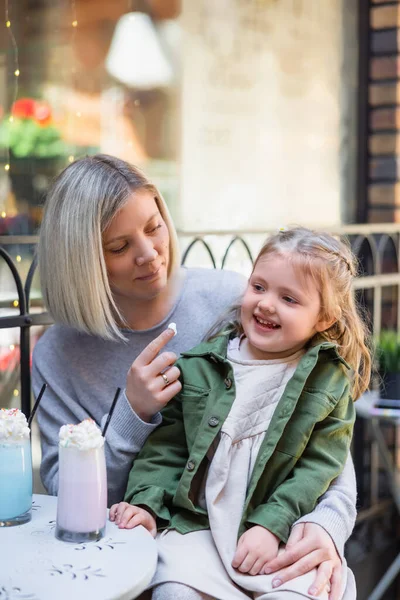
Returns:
(304, 449)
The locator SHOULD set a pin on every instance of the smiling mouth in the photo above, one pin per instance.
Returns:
(149, 276)
(266, 324)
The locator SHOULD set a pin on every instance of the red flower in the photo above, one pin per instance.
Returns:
(24, 108)
(28, 108)
(42, 112)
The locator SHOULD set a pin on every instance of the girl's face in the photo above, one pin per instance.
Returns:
(280, 310)
(136, 249)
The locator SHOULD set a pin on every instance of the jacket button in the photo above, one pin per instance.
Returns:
(228, 383)
(190, 465)
(213, 421)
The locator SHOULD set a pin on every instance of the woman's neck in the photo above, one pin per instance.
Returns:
(149, 312)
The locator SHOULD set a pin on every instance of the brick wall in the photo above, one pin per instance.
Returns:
(384, 112)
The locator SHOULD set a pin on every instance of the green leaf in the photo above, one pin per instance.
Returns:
(388, 351)
(25, 137)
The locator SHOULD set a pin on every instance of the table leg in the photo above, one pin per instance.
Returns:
(374, 470)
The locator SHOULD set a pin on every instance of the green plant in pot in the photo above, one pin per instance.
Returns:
(29, 131)
(388, 355)
(32, 144)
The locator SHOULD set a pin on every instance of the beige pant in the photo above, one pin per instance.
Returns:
(172, 591)
(192, 560)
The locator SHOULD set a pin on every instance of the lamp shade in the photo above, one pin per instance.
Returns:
(136, 57)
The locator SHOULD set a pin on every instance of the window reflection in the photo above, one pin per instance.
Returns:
(83, 76)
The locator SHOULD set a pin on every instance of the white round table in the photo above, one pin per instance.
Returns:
(34, 565)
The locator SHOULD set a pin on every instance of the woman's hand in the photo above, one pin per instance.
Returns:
(309, 546)
(127, 516)
(147, 390)
(255, 547)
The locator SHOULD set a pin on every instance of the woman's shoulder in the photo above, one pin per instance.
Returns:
(56, 333)
(59, 340)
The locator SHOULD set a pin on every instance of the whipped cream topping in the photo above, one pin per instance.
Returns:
(84, 436)
(13, 425)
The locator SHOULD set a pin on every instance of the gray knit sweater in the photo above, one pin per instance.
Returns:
(82, 373)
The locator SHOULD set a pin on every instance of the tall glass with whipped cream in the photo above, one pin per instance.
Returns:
(15, 468)
(82, 483)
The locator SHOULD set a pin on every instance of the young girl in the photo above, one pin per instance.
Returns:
(262, 425)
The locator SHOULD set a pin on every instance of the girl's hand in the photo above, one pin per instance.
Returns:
(309, 546)
(146, 389)
(255, 547)
(127, 516)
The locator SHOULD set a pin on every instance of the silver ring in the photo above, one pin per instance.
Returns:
(167, 381)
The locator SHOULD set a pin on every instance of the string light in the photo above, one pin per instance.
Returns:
(16, 393)
(3, 214)
(12, 347)
(18, 258)
(71, 158)
(16, 303)
(73, 70)
(16, 71)
(11, 119)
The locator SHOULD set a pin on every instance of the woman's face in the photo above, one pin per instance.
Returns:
(136, 249)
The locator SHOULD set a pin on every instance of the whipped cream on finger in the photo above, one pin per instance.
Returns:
(84, 436)
(173, 327)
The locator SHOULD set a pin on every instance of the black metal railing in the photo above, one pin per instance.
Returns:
(24, 320)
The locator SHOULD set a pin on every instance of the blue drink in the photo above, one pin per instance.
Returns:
(15, 482)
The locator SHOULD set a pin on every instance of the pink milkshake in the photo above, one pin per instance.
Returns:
(82, 485)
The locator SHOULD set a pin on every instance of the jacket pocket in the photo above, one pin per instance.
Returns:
(297, 432)
(193, 390)
(194, 402)
(193, 397)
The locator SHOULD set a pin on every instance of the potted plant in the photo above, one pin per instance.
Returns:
(388, 354)
(29, 131)
(35, 149)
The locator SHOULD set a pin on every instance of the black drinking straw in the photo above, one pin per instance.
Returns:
(117, 393)
(35, 407)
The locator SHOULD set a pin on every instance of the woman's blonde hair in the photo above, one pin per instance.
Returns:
(80, 205)
(332, 266)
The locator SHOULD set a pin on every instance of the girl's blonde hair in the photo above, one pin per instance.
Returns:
(80, 205)
(332, 266)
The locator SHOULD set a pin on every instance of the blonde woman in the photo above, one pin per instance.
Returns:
(111, 278)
